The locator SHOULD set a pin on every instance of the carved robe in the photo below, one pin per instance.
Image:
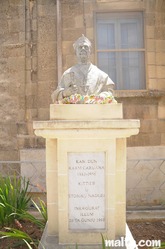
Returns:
(89, 79)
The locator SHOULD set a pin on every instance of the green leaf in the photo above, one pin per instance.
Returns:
(103, 241)
(29, 246)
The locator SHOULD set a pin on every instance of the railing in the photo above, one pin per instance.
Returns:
(145, 179)
(34, 171)
(146, 182)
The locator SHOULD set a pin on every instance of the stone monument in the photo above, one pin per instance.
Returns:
(85, 158)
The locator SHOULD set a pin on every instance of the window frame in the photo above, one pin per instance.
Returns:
(129, 92)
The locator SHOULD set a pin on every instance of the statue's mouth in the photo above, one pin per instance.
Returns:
(83, 53)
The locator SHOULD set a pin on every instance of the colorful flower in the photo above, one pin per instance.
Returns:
(103, 98)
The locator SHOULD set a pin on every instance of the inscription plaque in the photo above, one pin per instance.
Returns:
(86, 190)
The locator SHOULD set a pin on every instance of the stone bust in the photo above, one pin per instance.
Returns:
(83, 78)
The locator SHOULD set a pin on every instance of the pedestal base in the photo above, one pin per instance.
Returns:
(51, 242)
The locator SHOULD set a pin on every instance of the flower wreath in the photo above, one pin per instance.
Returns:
(103, 98)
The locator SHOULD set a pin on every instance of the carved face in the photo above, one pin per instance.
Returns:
(83, 51)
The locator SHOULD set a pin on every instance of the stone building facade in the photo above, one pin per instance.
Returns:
(36, 38)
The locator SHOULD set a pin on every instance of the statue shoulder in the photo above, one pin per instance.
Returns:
(103, 76)
(69, 70)
(99, 71)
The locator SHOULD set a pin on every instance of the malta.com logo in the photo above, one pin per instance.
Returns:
(122, 242)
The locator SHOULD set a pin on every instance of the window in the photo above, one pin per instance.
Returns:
(120, 48)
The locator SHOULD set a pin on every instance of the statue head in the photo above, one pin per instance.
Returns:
(82, 47)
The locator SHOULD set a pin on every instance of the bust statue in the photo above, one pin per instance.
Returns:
(83, 78)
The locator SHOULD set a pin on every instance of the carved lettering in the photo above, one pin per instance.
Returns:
(86, 214)
(86, 190)
(86, 183)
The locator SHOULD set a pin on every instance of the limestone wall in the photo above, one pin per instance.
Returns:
(28, 66)
(12, 76)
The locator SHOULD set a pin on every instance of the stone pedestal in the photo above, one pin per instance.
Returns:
(85, 173)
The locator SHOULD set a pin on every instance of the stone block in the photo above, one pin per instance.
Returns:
(153, 84)
(31, 113)
(125, 5)
(31, 89)
(47, 49)
(15, 3)
(40, 143)
(6, 156)
(21, 115)
(12, 11)
(160, 59)
(160, 72)
(161, 108)
(160, 5)
(70, 60)
(33, 9)
(71, 34)
(151, 57)
(89, 20)
(34, 63)
(53, 229)
(144, 139)
(89, 34)
(14, 50)
(34, 76)
(44, 100)
(29, 126)
(16, 25)
(28, 63)
(46, 73)
(161, 125)
(151, 71)
(22, 128)
(47, 63)
(160, 33)
(44, 88)
(8, 143)
(150, 45)
(31, 101)
(15, 68)
(145, 112)
(74, 7)
(21, 101)
(148, 152)
(33, 49)
(68, 22)
(4, 26)
(34, 24)
(150, 19)
(11, 129)
(160, 45)
(163, 138)
(48, 2)
(150, 6)
(28, 76)
(149, 126)
(46, 9)
(88, 112)
(79, 21)
(26, 141)
(67, 47)
(43, 113)
(22, 37)
(161, 84)
(46, 29)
